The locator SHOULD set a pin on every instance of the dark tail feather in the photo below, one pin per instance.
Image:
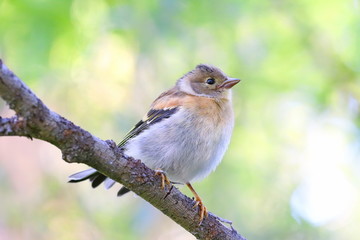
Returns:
(122, 191)
(94, 176)
(96, 179)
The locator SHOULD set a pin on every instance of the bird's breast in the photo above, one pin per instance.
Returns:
(189, 144)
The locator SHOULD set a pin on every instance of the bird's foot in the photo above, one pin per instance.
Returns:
(198, 203)
(202, 209)
(164, 178)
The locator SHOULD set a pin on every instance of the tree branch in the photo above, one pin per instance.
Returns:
(34, 119)
(13, 126)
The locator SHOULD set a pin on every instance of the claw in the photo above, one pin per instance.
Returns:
(202, 210)
(203, 213)
(164, 178)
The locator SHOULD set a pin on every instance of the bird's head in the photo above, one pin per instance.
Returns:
(207, 81)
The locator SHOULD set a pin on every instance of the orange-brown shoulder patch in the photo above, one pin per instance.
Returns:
(169, 99)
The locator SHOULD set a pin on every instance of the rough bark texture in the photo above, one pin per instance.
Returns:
(34, 120)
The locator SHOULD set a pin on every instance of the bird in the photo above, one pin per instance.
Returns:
(184, 135)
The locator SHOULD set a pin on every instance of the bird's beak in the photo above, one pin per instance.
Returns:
(229, 83)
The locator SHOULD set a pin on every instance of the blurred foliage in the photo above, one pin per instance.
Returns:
(292, 169)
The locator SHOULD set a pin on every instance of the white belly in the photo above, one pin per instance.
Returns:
(177, 146)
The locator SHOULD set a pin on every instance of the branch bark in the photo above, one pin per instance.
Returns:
(34, 119)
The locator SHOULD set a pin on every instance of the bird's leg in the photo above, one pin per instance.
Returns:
(198, 202)
(164, 178)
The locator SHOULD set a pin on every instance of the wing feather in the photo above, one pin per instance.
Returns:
(152, 117)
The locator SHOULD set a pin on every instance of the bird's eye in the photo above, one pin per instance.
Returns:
(210, 81)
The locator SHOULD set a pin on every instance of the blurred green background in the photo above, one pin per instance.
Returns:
(292, 169)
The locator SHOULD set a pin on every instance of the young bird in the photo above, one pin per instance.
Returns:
(184, 135)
